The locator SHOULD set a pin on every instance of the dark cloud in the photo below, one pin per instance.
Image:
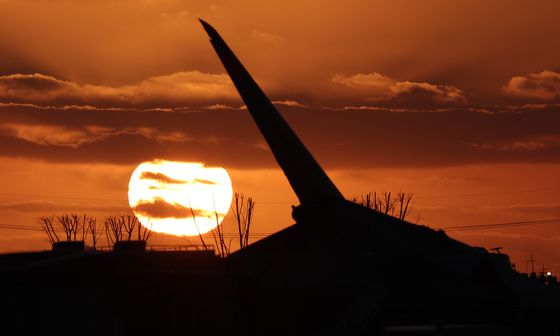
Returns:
(425, 94)
(37, 88)
(204, 181)
(166, 179)
(159, 208)
(540, 209)
(13, 84)
(176, 89)
(365, 136)
(160, 178)
(48, 207)
(542, 86)
(164, 37)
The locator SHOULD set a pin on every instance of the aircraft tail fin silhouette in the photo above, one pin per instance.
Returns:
(308, 180)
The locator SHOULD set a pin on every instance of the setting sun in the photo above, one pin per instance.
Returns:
(179, 198)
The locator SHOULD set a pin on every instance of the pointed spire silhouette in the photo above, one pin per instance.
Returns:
(308, 180)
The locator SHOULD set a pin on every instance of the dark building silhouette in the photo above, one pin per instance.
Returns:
(341, 269)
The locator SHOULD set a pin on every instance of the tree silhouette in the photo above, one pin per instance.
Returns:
(243, 208)
(49, 227)
(197, 229)
(93, 231)
(121, 228)
(224, 249)
(399, 205)
(67, 227)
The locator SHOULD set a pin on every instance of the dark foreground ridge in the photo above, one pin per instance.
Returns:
(312, 278)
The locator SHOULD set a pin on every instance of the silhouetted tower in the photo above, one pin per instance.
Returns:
(532, 275)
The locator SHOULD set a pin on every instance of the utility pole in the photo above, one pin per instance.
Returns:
(532, 261)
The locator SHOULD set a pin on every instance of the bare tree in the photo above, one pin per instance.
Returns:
(93, 231)
(67, 227)
(113, 230)
(145, 232)
(224, 249)
(129, 223)
(404, 205)
(70, 231)
(243, 208)
(399, 206)
(197, 229)
(76, 228)
(121, 228)
(48, 225)
(71, 226)
(243, 212)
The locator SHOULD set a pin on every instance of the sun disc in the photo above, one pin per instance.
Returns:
(179, 198)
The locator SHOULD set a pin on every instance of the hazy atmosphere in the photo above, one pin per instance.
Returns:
(457, 102)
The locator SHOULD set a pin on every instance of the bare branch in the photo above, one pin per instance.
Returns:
(243, 212)
(197, 229)
(399, 206)
(47, 223)
(113, 229)
(92, 229)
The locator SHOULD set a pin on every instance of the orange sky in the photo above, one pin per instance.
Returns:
(437, 98)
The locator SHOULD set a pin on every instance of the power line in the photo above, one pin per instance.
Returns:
(500, 225)
(108, 199)
(265, 234)
(463, 195)
(40, 229)
(490, 193)
(288, 202)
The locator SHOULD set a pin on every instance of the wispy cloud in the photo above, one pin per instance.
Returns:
(66, 136)
(160, 177)
(380, 88)
(264, 36)
(544, 86)
(527, 144)
(181, 88)
(159, 208)
(48, 207)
